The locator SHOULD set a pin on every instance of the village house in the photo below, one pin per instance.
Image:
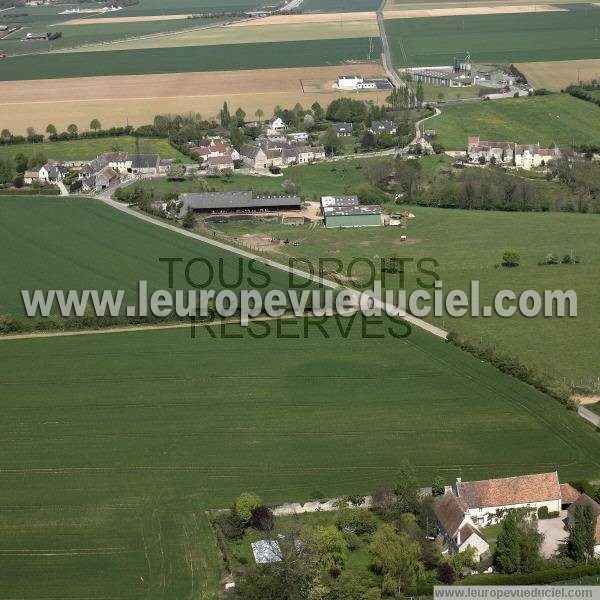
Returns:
(343, 129)
(145, 164)
(488, 500)
(302, 154)
(275, 126)
(524, 156)
(254, 157)
(457, 531)
(378, 127)
(107, 177)
(585, 500)
(531, 155)
(498, 152)
(30, 177)
(300, 136)
(221, 163)
(119, 161)
(52, 172)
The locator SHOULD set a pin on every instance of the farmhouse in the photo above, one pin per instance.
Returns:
(456, 528)
(144, 164)
(500, 152)
(52, 172)
(254, 157)
(107, 177)
(486, 501)
(275, 126)
(527, 156)
(343, 129)
(221, 163)
(219, 202)
(302, 154)
(585, 500)
(378, 127)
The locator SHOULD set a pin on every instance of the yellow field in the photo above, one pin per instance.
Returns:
(137, 99)
(245, 35)
(557, 75)
(310, 18)
(470, 10)
(398, 5)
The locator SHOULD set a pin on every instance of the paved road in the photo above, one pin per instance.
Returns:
(386, 57)
(105, 197)
(589, 415)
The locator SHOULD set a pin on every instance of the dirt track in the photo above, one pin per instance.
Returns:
(109, 20)
(139, 98)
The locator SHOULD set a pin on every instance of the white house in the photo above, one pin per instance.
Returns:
(276, 125)
(457, 531)
(488, 500)
(349, 82)
(531, 155)
(585, 500)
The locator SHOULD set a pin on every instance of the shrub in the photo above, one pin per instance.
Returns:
(535, 578)
(244, 505)
(262, 518)
(358, 520)
(543, 512)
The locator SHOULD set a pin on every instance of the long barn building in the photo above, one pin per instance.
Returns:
(225, 202)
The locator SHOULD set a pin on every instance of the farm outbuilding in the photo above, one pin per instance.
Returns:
(215, 202)
(352, 216)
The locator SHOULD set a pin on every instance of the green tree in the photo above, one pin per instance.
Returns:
(236, 134)
(397, 557)
(462, 561)
(240, 117)
(582, 534)
(259, 114)
(176, 172)
(51, 129)
(7, 170)
(368, 141)
(507, 556)
(407, 488)
(327, 546)
(438, 485)
(358, 520)
(72, 129)
(95, 125)
(245, 503)
(225, 116)
(37, 160)
(318, 111)
(420, 94)
(21, 162)
(332, 142)
(5, 134)
(189, 221)
(510, 259)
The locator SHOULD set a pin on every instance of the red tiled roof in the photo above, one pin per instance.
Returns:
(568, 493)
(510, 490)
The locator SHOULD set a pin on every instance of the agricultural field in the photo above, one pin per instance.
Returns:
(73, 234)
(556, 118)
(566, 348)
(87, 149)
(48, 19)
(251, 34)
(558, 75)
(500, 38)
(138, 99)
(115, 444)
(234, 57)
(340, 5)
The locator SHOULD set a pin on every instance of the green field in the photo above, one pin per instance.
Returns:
(340, 5)
(83, 244)
(565, 348)
(558, 118)
(175, 7)
(500, 38)
(113, 445)
(79, 35)
(231, 57)
(90, 148)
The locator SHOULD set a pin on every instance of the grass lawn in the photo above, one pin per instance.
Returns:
(117, 443)
(557, 118)
(356, 561)
(499, 38)
(339, 5)
(467, 245)
(229, 57)
(90, 148)
(594, 407)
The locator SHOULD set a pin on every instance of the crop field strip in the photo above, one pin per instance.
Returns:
(248, 35)
(557, 75)
(471, 10)
(267, 55)
(502, 38)
(139, 98)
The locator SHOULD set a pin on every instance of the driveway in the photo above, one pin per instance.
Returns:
(554, 533)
